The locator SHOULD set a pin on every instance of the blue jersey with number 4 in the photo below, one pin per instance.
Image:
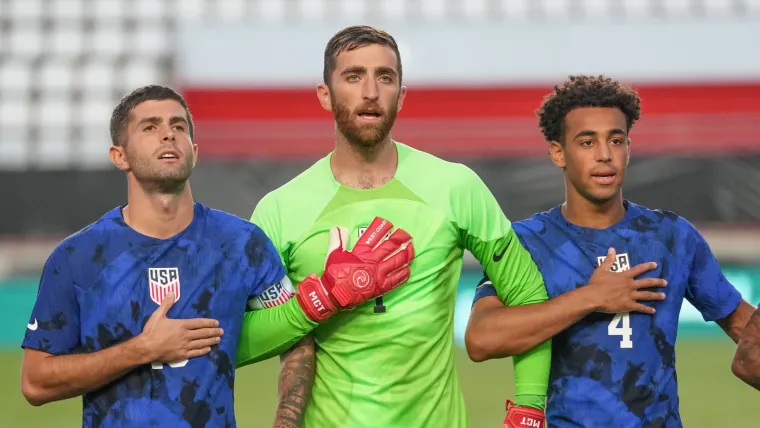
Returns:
(100, 286)
(619, 369)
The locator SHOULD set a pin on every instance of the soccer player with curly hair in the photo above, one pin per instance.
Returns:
(616, 274)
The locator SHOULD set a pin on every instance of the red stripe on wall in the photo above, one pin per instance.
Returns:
(470, 121)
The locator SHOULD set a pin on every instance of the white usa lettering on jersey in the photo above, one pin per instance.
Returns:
(274, 295)
(620, 325)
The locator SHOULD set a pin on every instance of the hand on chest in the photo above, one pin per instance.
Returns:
(128, 291)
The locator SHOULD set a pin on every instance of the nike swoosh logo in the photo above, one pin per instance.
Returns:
(497, 257)
(32, 326)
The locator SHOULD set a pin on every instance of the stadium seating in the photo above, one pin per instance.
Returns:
(64, 64)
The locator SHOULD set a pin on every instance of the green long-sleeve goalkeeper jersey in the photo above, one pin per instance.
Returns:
(396, 368)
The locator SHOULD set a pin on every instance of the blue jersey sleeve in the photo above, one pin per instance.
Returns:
(54, 325)
(708, 289)
(270, 286)
(484, 289)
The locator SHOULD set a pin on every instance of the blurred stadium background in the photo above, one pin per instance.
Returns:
(476, 70)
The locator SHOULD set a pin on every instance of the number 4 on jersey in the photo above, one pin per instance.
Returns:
(621, 323)
(621, 326)
(158, 365)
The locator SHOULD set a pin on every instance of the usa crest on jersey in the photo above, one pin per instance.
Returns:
(622, 262)
(162, 281)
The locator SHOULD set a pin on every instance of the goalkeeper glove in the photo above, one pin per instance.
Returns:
(373, 268)
(523, 417)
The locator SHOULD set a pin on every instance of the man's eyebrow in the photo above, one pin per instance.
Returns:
(175, 119)
(354, 69)
(585, 133)
(153, 119)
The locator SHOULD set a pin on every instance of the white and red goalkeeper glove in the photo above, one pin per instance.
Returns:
(523, 417)
(373, 268)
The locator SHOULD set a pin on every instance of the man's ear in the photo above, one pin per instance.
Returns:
(323, 94)
(401, 98)
(628, 153)
(557, 154)
(118, 157)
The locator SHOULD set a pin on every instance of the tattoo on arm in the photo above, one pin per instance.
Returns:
(294, 386)
(748, 352)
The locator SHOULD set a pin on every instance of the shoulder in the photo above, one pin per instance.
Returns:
(315, 179)
(537, 223)
(661, 221)
(245, 237)
(87, 247)
(436, 179)
(93, 236)
(229, 227)
(442, 171)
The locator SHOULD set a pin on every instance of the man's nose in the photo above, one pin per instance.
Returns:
(369, 91)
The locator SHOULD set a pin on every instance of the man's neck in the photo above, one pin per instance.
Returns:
(158, 215)
(364, 167)
(584, 213)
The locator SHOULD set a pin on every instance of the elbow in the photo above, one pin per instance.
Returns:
(34, 394)
(476, 349)
(738, 369)
(480, 347)
(745, 369)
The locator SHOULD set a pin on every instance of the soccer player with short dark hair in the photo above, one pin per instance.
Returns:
(601, 256)
(391, 363)
(141, 311)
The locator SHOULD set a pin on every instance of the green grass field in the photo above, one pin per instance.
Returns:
(710, 395)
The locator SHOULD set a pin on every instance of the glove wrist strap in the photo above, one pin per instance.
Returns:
(314, 299)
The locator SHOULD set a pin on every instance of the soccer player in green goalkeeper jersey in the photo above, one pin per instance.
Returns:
(388, 363)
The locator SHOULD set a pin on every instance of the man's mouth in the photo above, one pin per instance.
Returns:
(371, 115)
(604, 178)
(169, 155)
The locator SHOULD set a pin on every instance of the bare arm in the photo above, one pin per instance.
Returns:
(497, 331)
(746, 364)
(46, 377)
(734, 324)
(294, 387)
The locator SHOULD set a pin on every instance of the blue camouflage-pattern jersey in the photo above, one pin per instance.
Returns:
(100, 286)
(619, 369)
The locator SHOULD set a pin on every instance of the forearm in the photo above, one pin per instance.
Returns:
(295, 383)
(58, 377)
(270, 332)
(746, 364)
(496, 331)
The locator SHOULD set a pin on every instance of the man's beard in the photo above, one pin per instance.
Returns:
(363, 136)
(161, 179)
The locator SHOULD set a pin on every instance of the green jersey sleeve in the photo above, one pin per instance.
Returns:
(269, 331)
(488, 235)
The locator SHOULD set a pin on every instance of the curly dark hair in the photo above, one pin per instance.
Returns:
(585, 91)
